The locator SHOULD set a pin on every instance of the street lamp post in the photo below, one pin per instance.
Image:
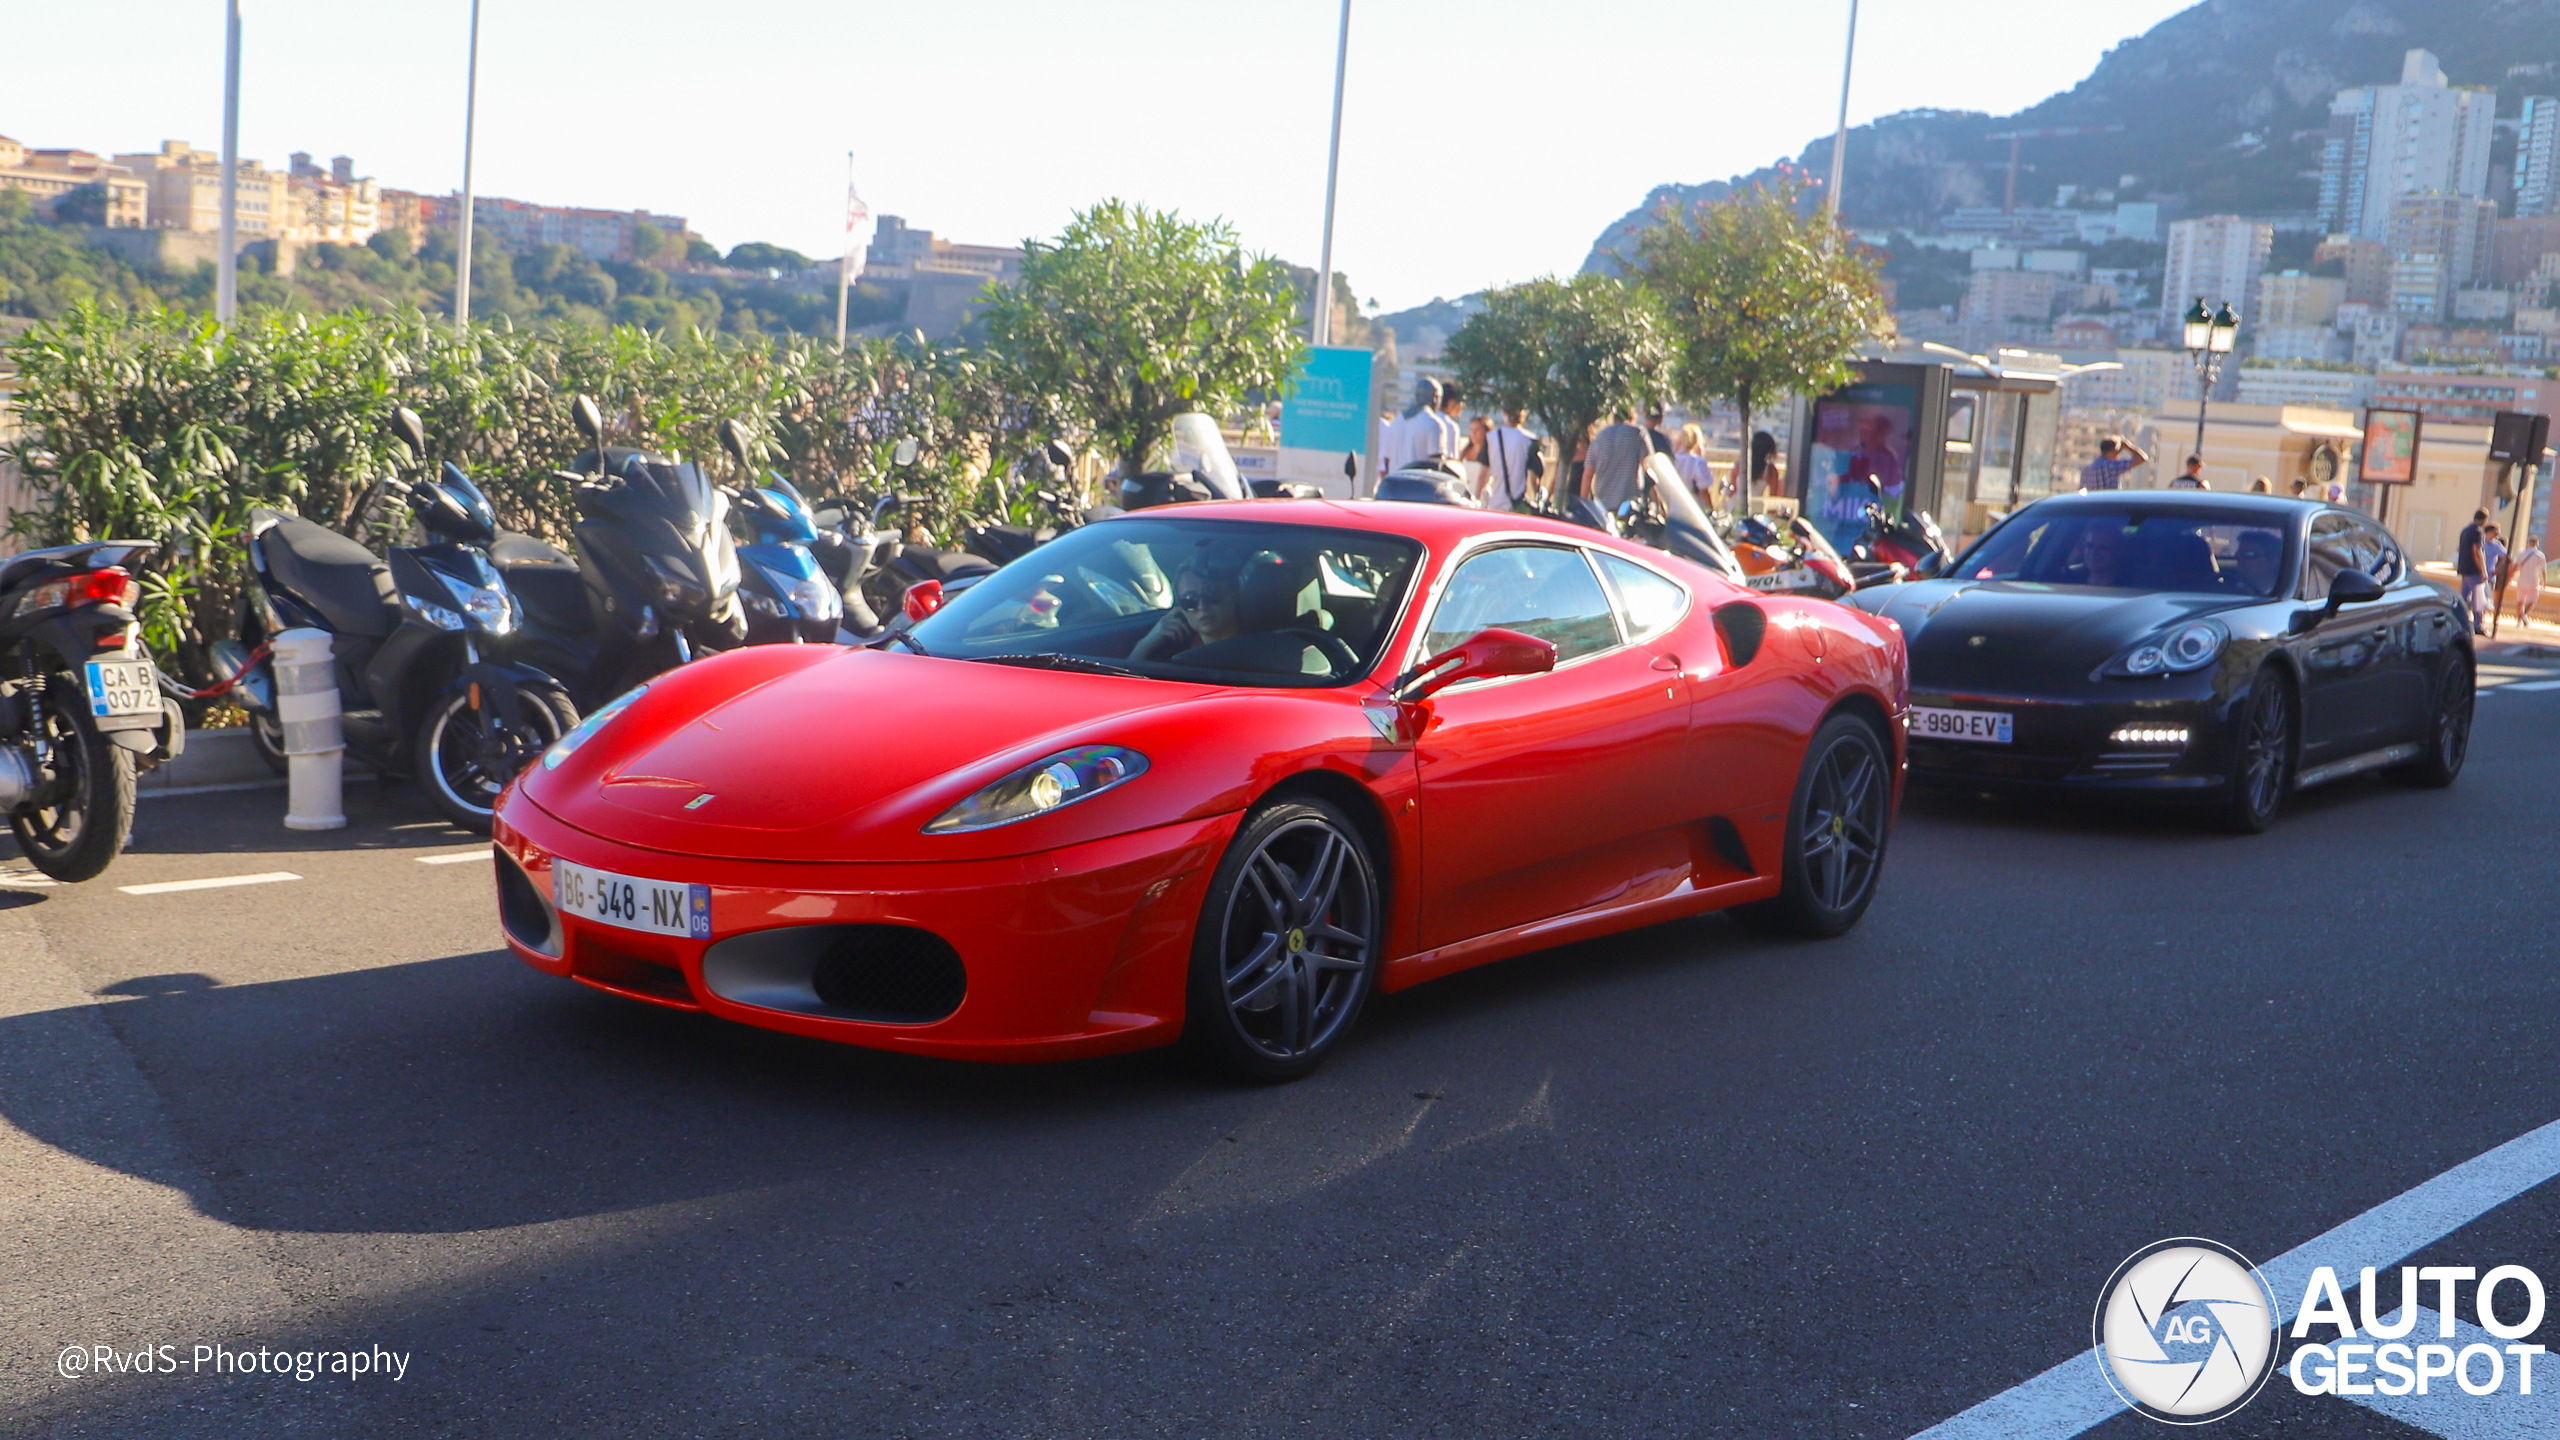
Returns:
(226, 269)
(1322, 331)
(1840, 135)
(462, 242)
(2209, 336)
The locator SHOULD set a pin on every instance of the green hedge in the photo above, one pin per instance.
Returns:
(156, 424)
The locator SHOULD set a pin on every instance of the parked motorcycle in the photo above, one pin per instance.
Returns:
(1667, 516)
(1912, 541)
(80, 705)
(787, 597)
(1790, 557)
(424, 643)
(1202, 469)
(655, 577)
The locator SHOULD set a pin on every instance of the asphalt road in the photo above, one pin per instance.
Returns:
(1682, 1182)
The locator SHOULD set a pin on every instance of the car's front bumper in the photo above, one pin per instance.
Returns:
(1072, 952)
(2069, 743)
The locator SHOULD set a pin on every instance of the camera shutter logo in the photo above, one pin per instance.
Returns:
(2186, 1331)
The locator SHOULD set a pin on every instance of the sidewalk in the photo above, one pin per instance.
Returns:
(2545, 628)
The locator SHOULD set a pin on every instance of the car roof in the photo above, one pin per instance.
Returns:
(2194, 501)
(1434, 525)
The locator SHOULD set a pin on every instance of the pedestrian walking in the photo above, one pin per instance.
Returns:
(2116, 455)
(1452, 433)
(2299, 486)
(2493, 570)
(1471, 460)
(2193, 477)
(1512, 465)
(1655, 435)
(2466, 568)
(2529, 563)
(2262, 486)
(1405, 440)
(1618, 454)
(1691, 461)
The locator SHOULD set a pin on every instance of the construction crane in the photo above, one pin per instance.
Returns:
(2009, 197)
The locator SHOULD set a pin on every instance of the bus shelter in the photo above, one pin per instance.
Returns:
(1963, 441)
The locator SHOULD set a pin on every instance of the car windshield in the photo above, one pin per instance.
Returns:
(2134, 548)
(1235, 602)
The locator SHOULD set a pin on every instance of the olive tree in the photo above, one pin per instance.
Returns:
(1570, 352)
(1764, 299)
(1134, 316)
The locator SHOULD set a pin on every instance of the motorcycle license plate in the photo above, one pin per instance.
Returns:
(1985, 726)
(1794, 577)
(122, 688)
(658, 907)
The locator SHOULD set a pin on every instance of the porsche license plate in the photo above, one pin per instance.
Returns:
(659, 907)
(1987, 726)
(122, 687)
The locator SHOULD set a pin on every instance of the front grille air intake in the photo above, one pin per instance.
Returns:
(884, 974)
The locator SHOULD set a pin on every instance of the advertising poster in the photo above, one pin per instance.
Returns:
(1861, 456)
(2390, 447)
(1326, 417)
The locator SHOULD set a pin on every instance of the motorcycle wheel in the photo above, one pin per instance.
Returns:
(90, 781)
(465, 772)
(266, 735)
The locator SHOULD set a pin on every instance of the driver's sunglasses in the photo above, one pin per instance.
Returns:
(1197, 600)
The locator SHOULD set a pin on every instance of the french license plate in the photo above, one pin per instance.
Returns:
(122, 687)
(659, 907)
(1794, 577)
(1988, 726)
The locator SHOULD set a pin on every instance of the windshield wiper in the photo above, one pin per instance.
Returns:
(906, 638)
(1052, 660)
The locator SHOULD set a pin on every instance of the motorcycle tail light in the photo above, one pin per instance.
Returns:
(111, 586)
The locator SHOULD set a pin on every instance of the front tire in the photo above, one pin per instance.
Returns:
(1836, 831)
(266, 735)
(90, 787)
(465, 771)
(1287, 948)
(2448, 733)
(2262, 763)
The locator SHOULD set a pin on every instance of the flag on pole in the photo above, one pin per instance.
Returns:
(857, 222)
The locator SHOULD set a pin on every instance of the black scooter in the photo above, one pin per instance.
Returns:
(429, 678)
(654, 580)
(80, 704)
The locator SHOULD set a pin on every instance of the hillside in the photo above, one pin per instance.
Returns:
(2224, 106)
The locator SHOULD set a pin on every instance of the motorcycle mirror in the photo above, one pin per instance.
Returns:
(1059, 455)
(905, 454)
(733, 438)
(590, 419)
(409, 430)
(923, 598)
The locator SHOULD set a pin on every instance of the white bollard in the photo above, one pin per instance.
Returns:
(315, 747)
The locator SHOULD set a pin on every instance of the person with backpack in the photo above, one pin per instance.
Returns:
(1512, 465)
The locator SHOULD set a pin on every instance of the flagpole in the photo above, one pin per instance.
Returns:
(462, 242)
(1322, 332)
(226, 270)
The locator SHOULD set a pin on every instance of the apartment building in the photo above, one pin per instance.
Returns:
(2421, 136)
(51, 175)
(524, 225)
(300, 203)
(2218, 258)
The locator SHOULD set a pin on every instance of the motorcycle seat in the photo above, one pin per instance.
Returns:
(511, 551)
(341, 579)
(945, 564)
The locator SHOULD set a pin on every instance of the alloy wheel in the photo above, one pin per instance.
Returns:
(1296, 956)
(2453, 722)
(1844, 824)
(2264, 746)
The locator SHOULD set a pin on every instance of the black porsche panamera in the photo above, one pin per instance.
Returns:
(2218, 650)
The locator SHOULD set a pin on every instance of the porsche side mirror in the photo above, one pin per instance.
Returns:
(1484, 656)
(409, 430)
(923, 598)
(2353, 587)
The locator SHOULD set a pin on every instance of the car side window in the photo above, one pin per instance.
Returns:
(2332, 548)
(1547, 591)
(2384, 562)
(1649, 603)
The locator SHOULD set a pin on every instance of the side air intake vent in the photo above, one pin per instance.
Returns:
(1742, 624)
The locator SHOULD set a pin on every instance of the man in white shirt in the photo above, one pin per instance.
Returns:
(1414, 435)
(1510, 463)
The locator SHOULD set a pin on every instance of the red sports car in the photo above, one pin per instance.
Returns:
(1212, 774)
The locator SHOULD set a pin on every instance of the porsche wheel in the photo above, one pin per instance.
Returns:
(2448, 732)
(1836, 830)
(1287, 948)
(2262, 763)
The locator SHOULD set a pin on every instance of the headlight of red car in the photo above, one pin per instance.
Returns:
(1042, 786)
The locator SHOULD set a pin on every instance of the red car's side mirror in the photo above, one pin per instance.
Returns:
(1482, 656)
(923, 598)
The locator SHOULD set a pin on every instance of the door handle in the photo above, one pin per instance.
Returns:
(1666, 662)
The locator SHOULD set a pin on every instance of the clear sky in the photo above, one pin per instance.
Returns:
(1485, 141)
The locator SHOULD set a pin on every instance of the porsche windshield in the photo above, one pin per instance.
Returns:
(1235, 602)
(2135, 548)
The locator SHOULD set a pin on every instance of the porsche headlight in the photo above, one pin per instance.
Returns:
(567, 745)
(1042, 786)
(2191, 646)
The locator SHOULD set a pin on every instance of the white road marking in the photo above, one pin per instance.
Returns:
(218, 882)
(2073, 1396)
(2528, 685)
(456, 857)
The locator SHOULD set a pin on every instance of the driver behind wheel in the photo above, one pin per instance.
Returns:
(1203, 613)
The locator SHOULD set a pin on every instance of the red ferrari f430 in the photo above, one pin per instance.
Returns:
(1213, 774)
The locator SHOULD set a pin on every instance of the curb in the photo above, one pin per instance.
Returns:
(215, 761)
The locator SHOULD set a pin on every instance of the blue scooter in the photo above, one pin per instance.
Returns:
(789, 600)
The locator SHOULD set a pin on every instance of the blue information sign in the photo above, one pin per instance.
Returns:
(1329, 408)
